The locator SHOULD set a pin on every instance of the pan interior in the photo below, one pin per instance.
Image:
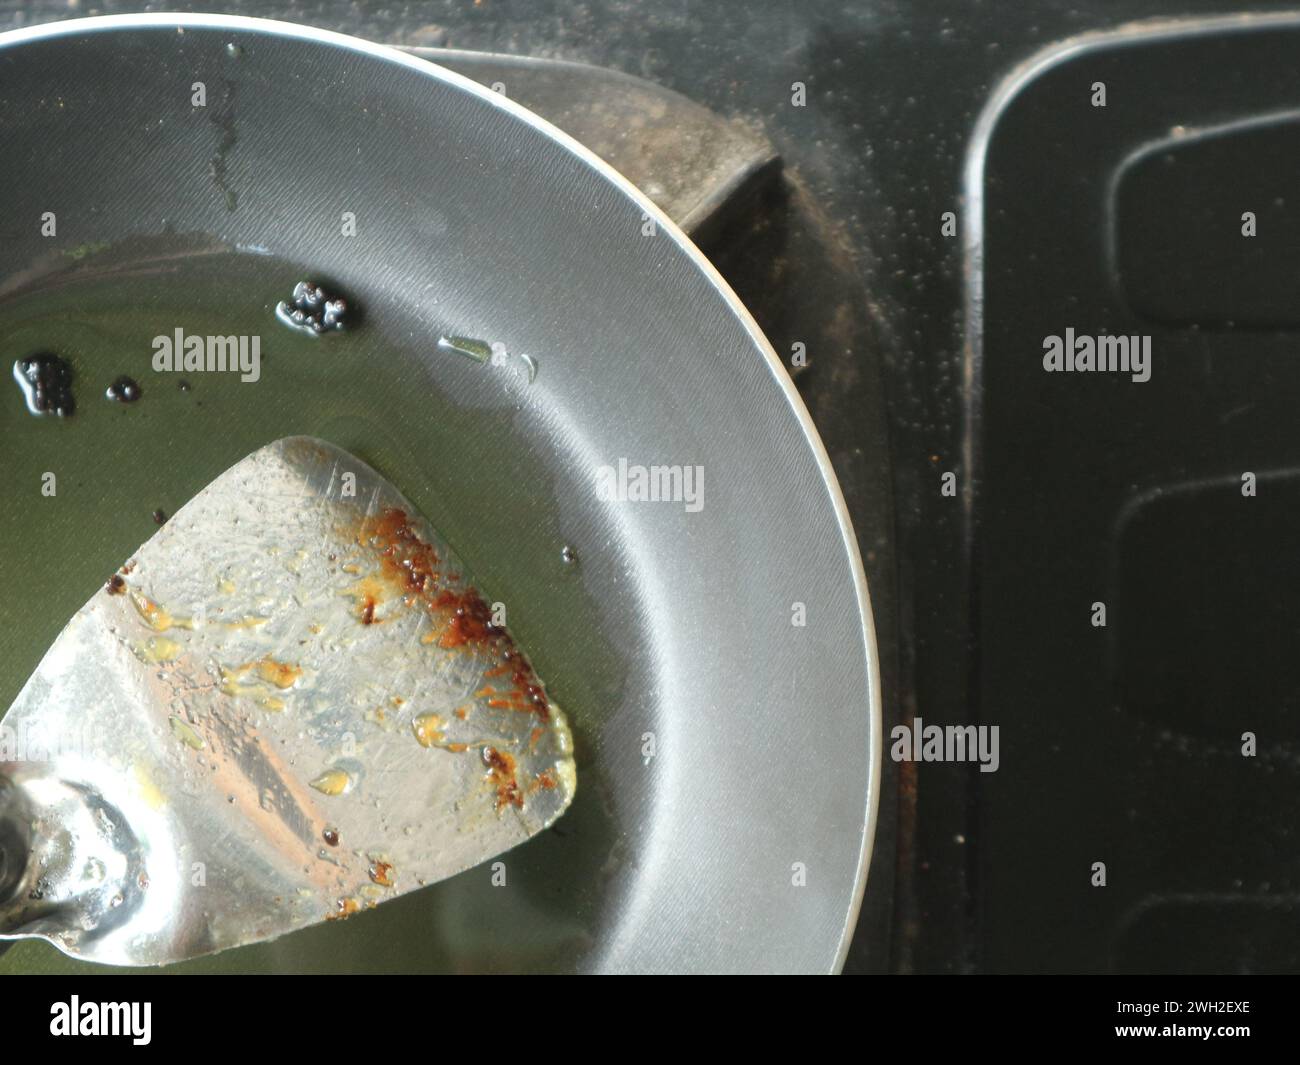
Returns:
(716, 663)
(116, 464)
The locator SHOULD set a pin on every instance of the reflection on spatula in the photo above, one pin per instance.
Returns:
(288, 706)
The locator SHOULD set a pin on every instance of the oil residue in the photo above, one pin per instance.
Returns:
(185, 732)
(161, 650)
(280, 674)
(223, 117)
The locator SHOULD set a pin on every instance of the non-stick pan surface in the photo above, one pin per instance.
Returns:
(715, 654)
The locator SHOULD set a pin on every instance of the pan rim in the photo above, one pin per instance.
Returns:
(428, 68)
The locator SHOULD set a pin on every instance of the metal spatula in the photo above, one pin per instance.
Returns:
(289, 705)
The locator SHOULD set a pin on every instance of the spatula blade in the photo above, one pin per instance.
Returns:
(289, 705)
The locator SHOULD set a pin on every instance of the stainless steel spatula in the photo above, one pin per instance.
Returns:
(289, 705)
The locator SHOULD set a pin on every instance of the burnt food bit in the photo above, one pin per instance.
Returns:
(46, 381)
(312, 310)
(123, 390)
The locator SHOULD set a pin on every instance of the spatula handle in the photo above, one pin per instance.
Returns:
(69, 866)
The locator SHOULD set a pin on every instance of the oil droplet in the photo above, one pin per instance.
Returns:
(332, 782)
(312, 310)
(123, 390)
(478, 350)
(428, 730)
(185, 733)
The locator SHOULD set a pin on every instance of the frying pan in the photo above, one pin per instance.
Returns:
(717, 662)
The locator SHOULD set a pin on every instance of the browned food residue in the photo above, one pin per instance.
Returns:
(381, 873)
(343, 908)
(501, 774)
(368, 594)
(281, 674)
(115, 585)
(462, 619)
(331, 836)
